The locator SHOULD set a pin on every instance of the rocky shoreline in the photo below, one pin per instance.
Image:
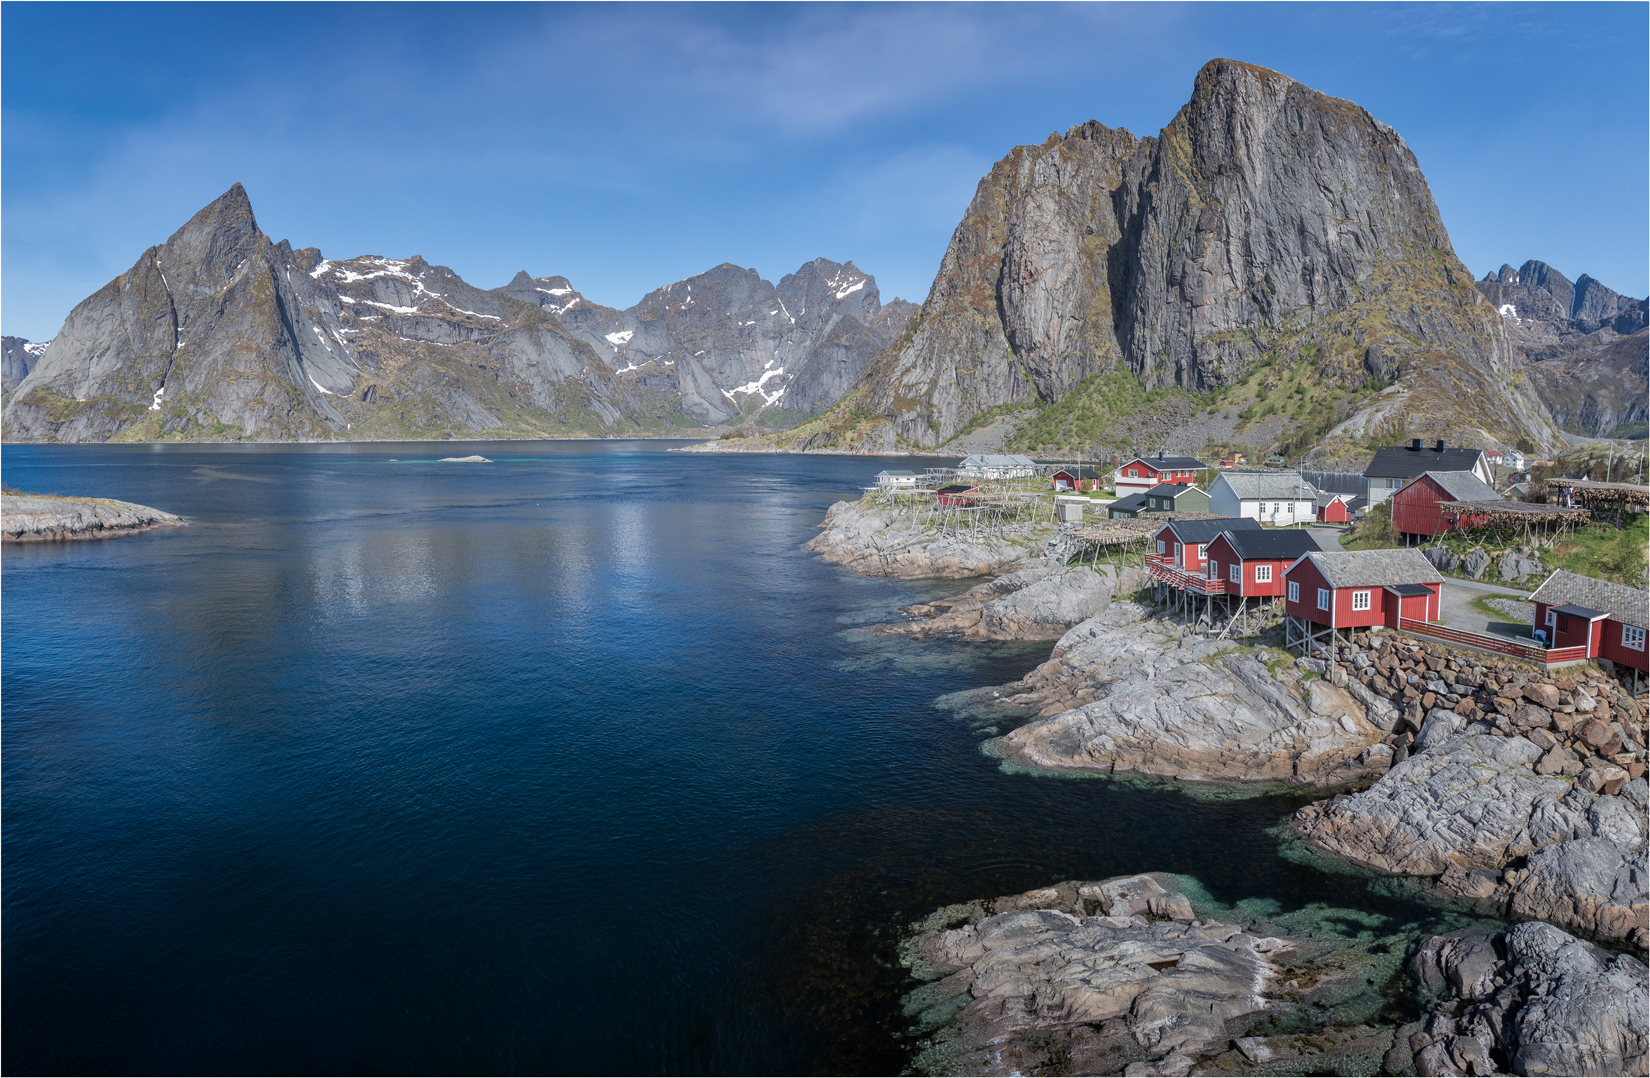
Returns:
(1479, 784)
(26, 518)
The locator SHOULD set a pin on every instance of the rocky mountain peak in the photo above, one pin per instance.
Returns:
(1267, 223)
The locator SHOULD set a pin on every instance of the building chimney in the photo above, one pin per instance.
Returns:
(1441, 444)
(1414, 444)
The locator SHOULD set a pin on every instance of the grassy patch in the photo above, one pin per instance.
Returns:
(1095, 406)
(1607, 552)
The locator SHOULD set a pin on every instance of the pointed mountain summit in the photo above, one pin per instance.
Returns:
(1268, 232)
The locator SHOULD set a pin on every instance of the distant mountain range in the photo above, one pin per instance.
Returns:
(221, 333)
(1268, 273)
(1586, 347)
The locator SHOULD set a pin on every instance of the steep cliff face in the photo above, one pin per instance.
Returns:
(1585, 346)
(222, 333)
(1267, 223)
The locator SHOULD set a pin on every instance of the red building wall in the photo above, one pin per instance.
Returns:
(1220, 551)
(1610, 647)
(1415, 509)
(1334, 513)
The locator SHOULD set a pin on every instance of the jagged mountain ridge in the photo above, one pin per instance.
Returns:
(1586, 346)
(223, 333)
(18, 355)
(1266, 220)
(737, 342)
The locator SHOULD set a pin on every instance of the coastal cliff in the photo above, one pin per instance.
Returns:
(39, 517)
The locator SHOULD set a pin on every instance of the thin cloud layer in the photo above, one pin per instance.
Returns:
(628, 146)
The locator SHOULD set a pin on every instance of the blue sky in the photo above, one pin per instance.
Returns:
(629, 146)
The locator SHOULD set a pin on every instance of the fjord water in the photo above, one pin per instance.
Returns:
(569, 763)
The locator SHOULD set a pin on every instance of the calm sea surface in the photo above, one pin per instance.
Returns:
(570, 763)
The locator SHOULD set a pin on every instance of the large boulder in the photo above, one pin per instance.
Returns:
(1517, 563)
(1468, 809)
(1475, 562)
(1535, 997)
(1208, 711)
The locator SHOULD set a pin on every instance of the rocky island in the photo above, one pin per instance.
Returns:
(39, 517)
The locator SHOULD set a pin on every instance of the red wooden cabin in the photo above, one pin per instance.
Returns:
(1076, 479)
(1181, 544)
(1251, 562)
(1333, 508)
(1415, 507)
(955, 496)
(1608, 619)
(1354, 589)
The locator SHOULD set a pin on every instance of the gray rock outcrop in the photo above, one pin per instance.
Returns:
(1119, 976)
(30, 518)
(1533, 1000)
(1475, 815)
(873, 540)
(1266, 218)
(1039, 603)
(1517, 563)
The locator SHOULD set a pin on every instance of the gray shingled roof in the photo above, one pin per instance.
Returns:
(1375, 568)
(1279, 485)
(1624, 604)
(1462, 486)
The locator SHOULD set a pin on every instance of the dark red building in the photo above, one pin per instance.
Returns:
(1358, 588)
(1608, 619)
(955, 496)
(1415, 507)
(1252, 562)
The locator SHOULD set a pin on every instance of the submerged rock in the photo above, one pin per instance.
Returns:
(1534, 1000)
(33, 517)
(1475, 815)
(1118, 976)
(873, 540)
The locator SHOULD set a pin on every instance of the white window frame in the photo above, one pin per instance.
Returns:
(1201, 551)
(1323, 598)
(1263, 574)
(1294, 591)
(1134, 473)
(1552, 619)
(1237, 572)
(1161, 549)
(1360, 600)
(1632, 638)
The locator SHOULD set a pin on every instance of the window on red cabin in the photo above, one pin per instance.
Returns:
(1263, 574)
(1294, 591)
(1360, 600)
(1632, 637)
(1323, 598)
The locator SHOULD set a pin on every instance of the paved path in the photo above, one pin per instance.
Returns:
(1458, 612)
(1328, 538)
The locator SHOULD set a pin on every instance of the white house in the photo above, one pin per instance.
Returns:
(896, 479)
(997, 466)
(1269, 497)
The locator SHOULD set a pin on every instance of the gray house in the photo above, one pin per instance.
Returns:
(1175, 497)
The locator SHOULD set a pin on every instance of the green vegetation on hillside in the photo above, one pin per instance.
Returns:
(1098, 404)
